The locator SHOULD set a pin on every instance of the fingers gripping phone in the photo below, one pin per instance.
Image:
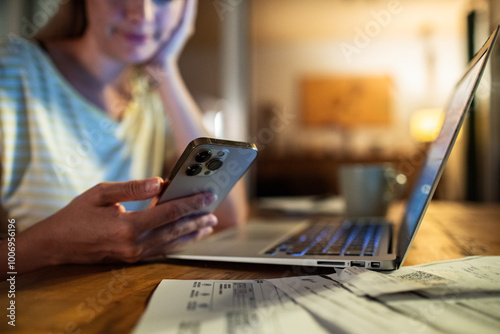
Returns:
(208, 164)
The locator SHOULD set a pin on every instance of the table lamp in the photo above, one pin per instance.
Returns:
(425, 124)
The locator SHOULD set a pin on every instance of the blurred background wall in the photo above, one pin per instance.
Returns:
(255, 66)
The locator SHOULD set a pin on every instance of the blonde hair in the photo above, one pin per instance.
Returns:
(70, 21)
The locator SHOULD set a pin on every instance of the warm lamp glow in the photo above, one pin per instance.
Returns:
(425, 124)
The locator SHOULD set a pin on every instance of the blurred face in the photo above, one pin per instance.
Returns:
(132, 31)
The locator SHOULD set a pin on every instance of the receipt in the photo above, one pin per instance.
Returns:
(205, 306)
(361, 281)
(343, 312)
(454, 314)
(469, 274)
(458, 296)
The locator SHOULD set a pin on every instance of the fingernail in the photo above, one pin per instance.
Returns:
(205, 231)
(212, 220)
(153, 186)
(209, 198)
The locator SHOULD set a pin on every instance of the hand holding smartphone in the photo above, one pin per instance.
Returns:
(208, 164)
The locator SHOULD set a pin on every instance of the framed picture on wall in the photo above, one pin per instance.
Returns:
(346, 101)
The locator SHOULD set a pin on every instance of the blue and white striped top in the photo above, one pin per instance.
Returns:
(55, 144)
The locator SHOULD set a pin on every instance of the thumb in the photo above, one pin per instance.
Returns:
(113, 192)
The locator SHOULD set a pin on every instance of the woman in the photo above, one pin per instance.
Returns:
(94, 107)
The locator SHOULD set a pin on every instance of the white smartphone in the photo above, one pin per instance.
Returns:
(208, 164)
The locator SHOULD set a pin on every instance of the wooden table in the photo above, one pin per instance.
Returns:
(111, 298)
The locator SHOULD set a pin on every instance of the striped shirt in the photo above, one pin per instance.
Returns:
(55, 144)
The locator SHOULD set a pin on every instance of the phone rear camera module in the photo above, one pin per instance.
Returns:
(193, 170)
(203, 156)
(214, 164)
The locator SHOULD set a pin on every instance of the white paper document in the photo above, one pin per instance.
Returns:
(469, 274)
(343, 312)
(456, 296)
(459, 296)
(191, 306)
(361, 281)
(448, 314)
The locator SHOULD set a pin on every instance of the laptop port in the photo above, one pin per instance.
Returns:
(375, 264)
(331, 263)
(357, 263)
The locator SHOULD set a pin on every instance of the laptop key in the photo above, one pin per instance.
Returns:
(356, 240)
(373, 242)
(347, 238)
(316, 249)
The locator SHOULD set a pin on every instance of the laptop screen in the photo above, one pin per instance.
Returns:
(440, 149)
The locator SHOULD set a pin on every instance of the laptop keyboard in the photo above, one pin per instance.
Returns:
(353, 237)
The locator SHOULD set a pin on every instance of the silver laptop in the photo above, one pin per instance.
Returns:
(345, 242)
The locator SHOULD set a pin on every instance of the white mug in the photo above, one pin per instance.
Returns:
(368, 189)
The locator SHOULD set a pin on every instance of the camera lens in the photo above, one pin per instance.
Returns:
(214, 164)
(193, 170)
(203, 156)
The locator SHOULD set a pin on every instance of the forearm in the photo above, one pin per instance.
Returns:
(95, 228)
(187, 125)
(179, 105)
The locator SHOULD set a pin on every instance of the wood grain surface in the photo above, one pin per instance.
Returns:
(111, 298)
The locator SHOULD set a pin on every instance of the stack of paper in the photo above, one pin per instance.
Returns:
(460, 296)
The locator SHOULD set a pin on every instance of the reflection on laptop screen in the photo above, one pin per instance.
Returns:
(440, 150)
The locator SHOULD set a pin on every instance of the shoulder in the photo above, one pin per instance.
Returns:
(22, 60)
(13, 47)
(19, 55)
